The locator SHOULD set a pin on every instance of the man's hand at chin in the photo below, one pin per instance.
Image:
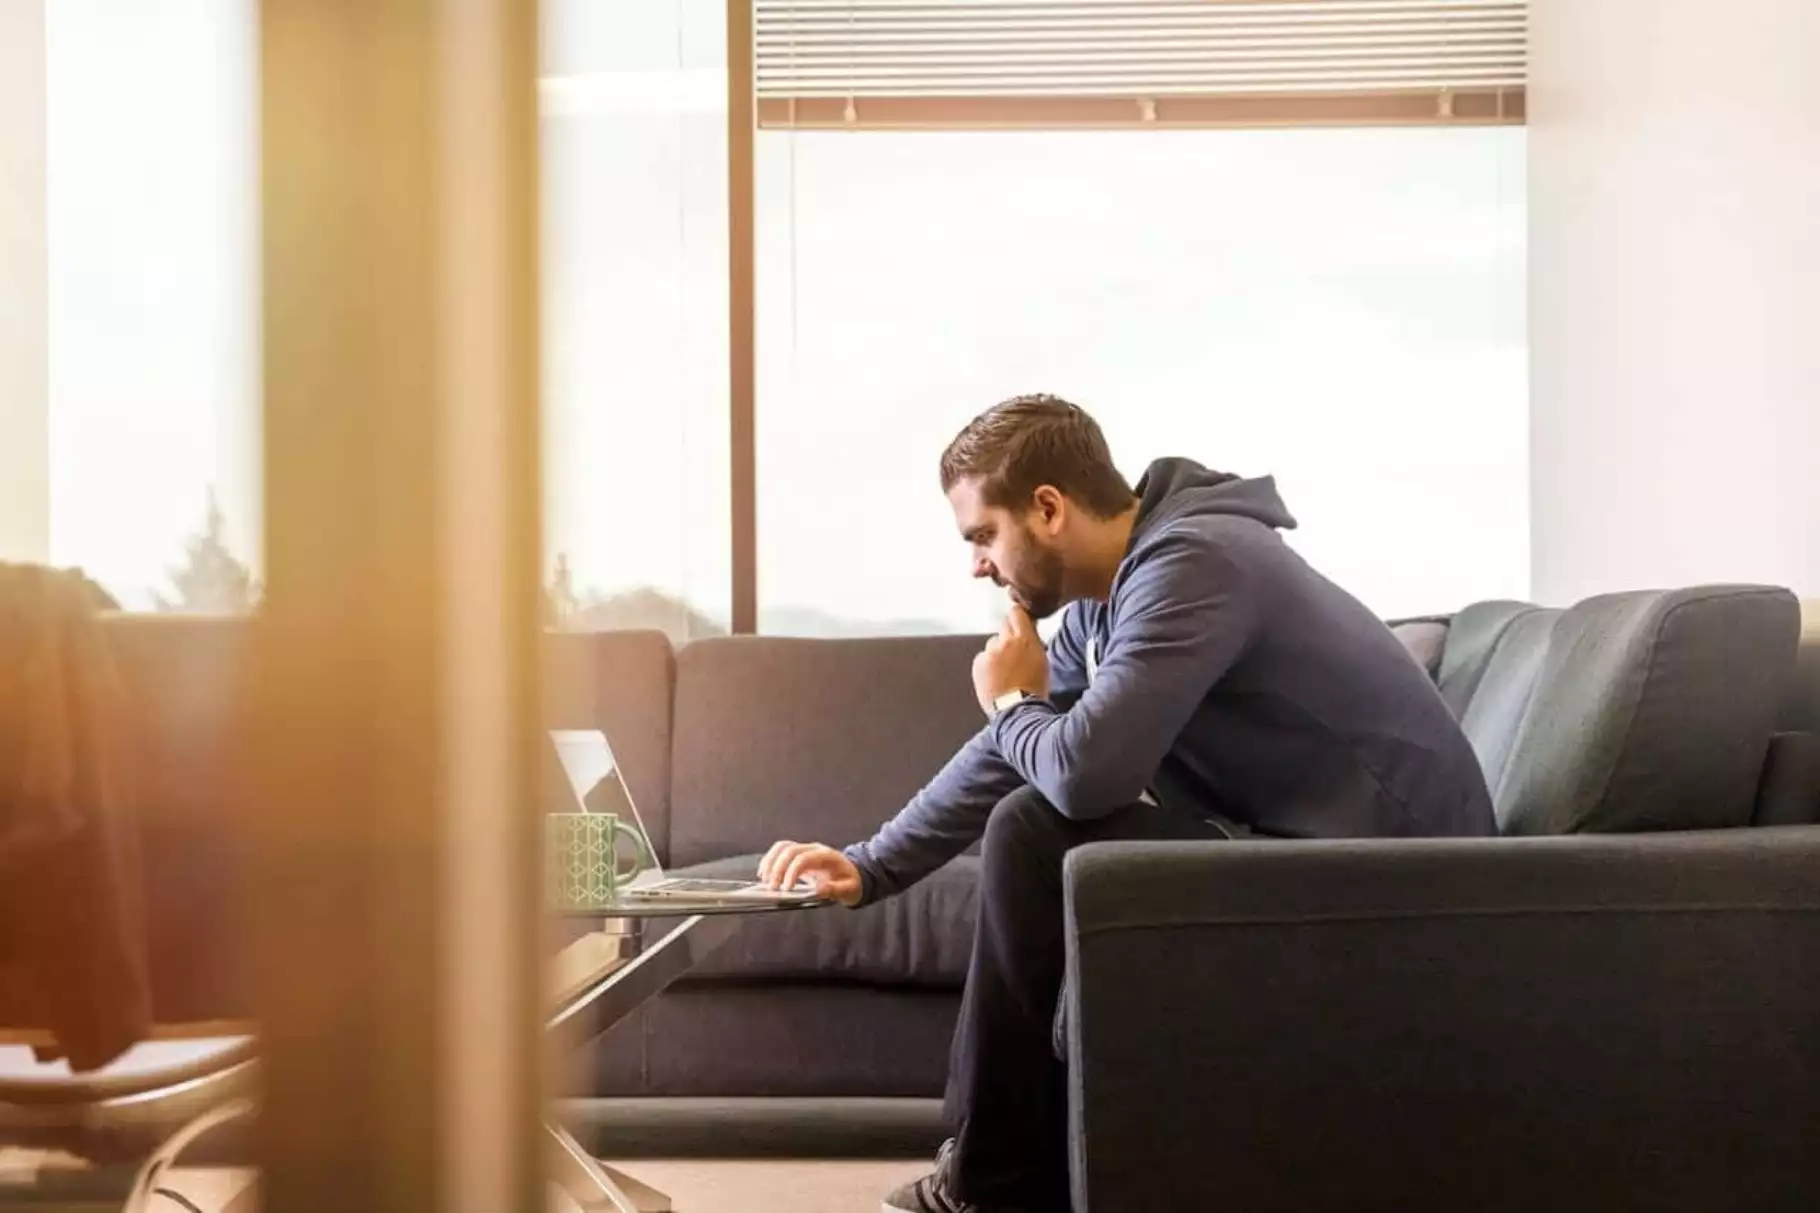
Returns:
(831, 872)
(1013, 660)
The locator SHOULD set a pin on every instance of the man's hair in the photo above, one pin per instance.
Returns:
(1029, 441)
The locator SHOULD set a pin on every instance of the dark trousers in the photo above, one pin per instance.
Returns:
(1007, 1092)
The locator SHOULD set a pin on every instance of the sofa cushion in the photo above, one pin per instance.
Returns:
(922, 937)
(1473, 637)
(776, 1040)
(1640, 711)
(621, 683)
(813, 740)
(1497, 695)
(1426, 640)
(1788, 793)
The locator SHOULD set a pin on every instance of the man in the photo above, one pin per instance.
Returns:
(1205, 683)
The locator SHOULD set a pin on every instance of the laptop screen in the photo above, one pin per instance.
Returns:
(597, 785)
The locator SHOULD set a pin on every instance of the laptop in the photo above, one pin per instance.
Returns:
(595, 781)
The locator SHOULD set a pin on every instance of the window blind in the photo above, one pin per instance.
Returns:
(1133, 62)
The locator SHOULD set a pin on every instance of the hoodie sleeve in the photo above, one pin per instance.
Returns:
(1185, 615)
(949, 815)
(939, 823)
(1067, 657)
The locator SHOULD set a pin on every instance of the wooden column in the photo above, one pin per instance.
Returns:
(390, 779)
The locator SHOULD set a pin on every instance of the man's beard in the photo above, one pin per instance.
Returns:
(1040, 592)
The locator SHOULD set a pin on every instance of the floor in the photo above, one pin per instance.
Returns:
(695, 1185)
(775, 1186)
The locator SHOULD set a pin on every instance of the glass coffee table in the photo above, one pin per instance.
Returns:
(636, 948)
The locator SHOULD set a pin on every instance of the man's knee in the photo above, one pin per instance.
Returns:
(1019, 817)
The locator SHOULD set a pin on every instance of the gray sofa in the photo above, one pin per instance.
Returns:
(1360, 1058)
(1619, 1009)
(730, 744)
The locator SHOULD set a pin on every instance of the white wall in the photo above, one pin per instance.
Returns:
(1674, 170)
(25, 496)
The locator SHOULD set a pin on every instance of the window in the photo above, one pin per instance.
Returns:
(150, 396)
(1250, 233)
(1341, 308)
(635, 314)
(959, 202)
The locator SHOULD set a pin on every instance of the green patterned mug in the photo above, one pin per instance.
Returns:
(586, 866)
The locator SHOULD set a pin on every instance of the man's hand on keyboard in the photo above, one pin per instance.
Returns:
(832, 873)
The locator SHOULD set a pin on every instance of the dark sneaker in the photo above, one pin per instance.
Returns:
(930, 1194)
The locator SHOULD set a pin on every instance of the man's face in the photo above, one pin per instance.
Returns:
(1012, 548)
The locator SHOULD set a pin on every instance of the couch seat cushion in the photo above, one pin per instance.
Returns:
(921, 938)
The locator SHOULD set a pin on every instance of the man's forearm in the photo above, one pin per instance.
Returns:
(944, 819)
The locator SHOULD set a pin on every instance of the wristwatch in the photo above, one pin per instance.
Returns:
(1009, 699)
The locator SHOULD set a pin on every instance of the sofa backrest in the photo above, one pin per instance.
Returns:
(1637, 711)
(811, 740)
(184, 675)
(622, 683)
(184, 678)
(1640, 711)
(1425, 639)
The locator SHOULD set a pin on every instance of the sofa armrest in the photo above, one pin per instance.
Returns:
(1545, 1023)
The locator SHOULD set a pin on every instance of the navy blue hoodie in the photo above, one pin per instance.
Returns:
(1222, 675)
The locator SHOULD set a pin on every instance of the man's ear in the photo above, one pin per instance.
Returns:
(1049, 503)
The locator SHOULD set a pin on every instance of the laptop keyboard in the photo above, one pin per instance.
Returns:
(696, 884)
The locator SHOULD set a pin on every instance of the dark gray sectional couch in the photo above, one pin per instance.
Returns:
(1617, 1007)
(1625, 999)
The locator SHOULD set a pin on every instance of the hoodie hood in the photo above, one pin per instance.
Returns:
(1182, 488)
